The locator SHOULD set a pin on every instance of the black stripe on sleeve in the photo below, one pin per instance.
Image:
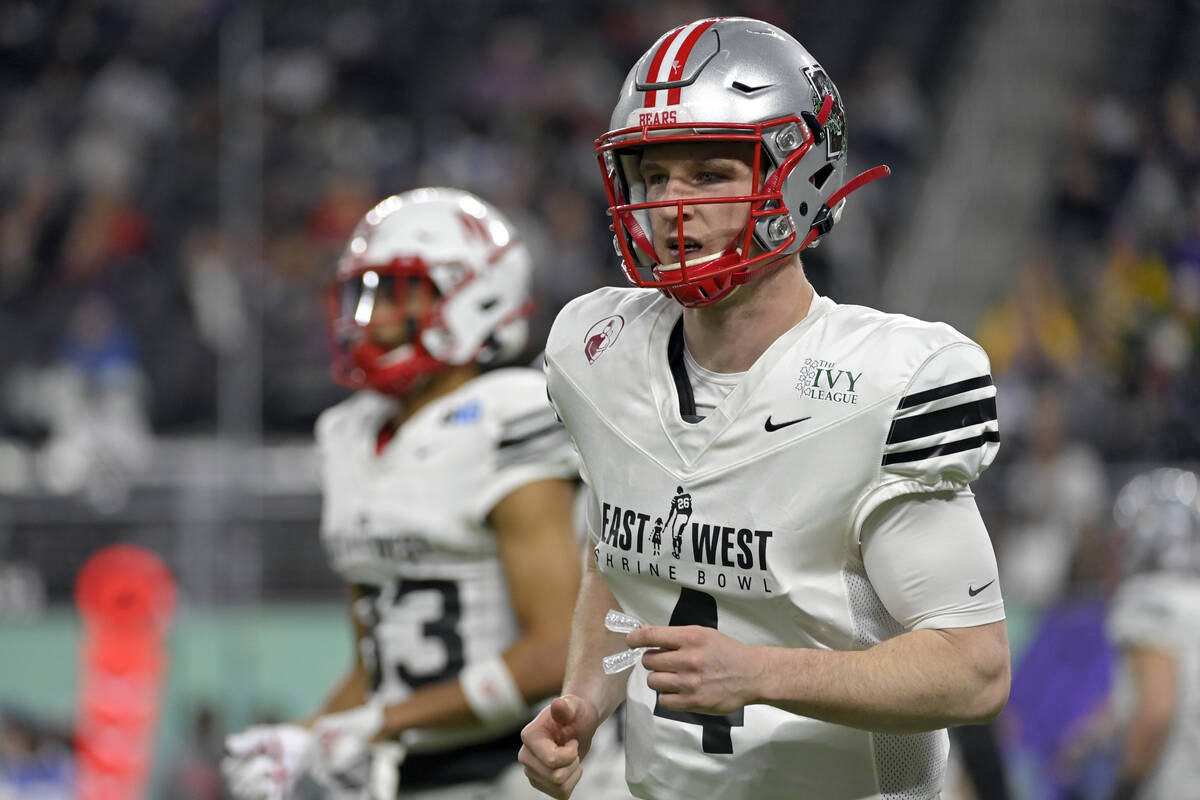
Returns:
(945, 391)
(945, 449)
(943, 420)
(553, 427)
(533, 415)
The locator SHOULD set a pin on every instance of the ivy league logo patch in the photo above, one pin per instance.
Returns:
(823, 380)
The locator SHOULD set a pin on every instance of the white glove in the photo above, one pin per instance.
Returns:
(343, 740)
(265, 761)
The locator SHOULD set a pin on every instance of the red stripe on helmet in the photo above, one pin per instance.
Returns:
(656, 62)
(674, 95)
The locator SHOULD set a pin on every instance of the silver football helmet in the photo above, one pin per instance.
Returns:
(1158, 514)
(729, 79)
(457, 249)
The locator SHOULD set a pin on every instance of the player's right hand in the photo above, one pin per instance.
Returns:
(555, 742)
(265, 761)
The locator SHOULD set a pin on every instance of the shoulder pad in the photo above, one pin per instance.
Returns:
(944, 431)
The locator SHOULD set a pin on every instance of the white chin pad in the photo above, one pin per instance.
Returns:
(401, 353)
(699, 262)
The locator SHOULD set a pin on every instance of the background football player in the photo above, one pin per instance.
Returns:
(1155, 621)
(834, 605)
(447, 510)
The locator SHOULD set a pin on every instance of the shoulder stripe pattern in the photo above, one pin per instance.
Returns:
(942, 449)
(942, 421)
(531, 437)
(518, 440)
(949, 389)
(947, 419)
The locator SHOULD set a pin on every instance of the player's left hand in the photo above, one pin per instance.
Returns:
(265, 761)
(343, 740)
(694, 668)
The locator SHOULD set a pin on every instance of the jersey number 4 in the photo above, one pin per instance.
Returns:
(697, 608)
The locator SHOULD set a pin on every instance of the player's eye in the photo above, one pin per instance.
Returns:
(711, 176)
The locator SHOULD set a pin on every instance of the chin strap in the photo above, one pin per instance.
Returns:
(824, 219)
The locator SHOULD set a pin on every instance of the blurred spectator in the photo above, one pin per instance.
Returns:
(890, 113)
(92, 400)
(35, 763)
(195, 772)
(1056, 501)
(1032, 338)
(1032, 332)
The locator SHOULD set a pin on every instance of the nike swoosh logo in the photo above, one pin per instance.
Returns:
(971, 590)
(771, 426)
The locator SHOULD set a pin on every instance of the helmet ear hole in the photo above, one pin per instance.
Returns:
(818, 178)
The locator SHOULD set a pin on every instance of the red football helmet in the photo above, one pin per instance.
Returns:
(445, 268)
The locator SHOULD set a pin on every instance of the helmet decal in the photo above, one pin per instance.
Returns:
(835, 126)
(664, 76)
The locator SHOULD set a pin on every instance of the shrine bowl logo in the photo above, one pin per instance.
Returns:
(601, 336)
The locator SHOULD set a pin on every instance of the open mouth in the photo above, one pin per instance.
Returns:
(690, 247)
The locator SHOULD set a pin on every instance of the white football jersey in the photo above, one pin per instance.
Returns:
(408, 526)
(1163, 610)
(749, 519)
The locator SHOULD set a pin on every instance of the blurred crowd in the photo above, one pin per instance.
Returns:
(1096, 345)
(180, 177)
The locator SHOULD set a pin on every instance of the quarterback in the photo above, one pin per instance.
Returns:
(448, 512)
(781, 483)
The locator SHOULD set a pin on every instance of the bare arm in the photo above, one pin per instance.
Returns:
(915, 551)
(918, 681)
(921, 680)
(351, 689)
(556, 741)
(1155, 677)
(590, 642)
(537, 547)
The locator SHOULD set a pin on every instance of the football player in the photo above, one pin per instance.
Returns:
(1155, 622)
(832, 605)
(447, 510)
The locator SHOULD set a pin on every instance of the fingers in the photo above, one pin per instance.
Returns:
(670, 682)
(558, 782)
(550, 750)
(256, 778)
(548, 742)
(246, 742)
(665, 637)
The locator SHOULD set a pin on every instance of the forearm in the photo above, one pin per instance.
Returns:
(534, 661)
(918, 681)
(1144, 742)
(590, 642)
(1155, 676)
(349, 692)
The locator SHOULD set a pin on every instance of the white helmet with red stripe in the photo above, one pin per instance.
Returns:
(732, 79)
(454, 249)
